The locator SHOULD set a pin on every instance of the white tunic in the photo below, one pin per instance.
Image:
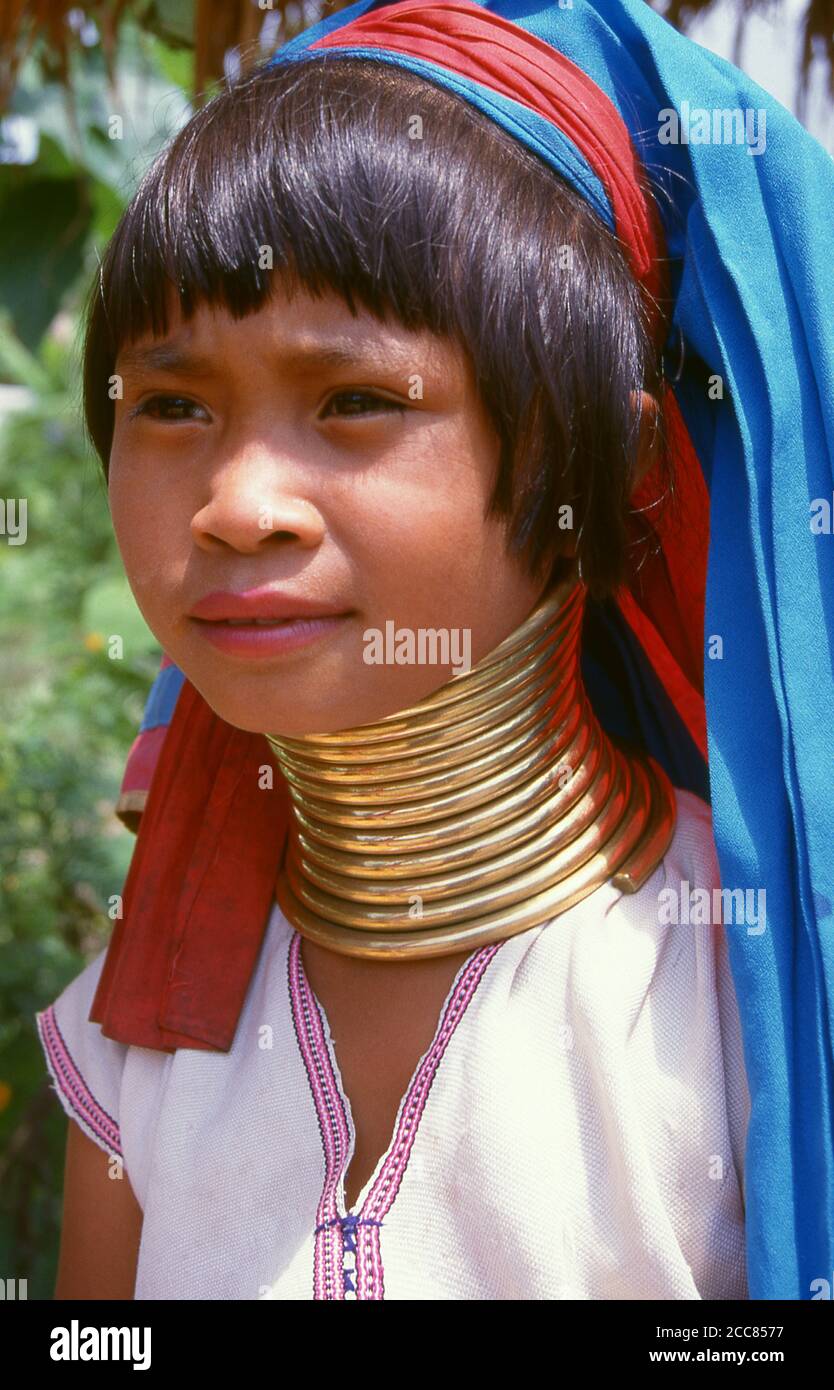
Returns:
(576, 1129)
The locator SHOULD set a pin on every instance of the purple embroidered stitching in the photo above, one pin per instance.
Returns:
(72, 1083)
(331, 1241)
(334, 1133)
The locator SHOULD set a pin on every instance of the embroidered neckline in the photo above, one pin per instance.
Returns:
(347, 1243)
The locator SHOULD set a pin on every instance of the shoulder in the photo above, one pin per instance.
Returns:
(676, 927)
(684, 889)
(629, 930)
(644, 979)
(85, 1067)
(692, 848)
(650, 1001)
(688, 1026)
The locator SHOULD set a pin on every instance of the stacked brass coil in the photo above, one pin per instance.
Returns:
(491, 806)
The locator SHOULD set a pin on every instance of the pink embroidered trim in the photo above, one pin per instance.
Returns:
(333, 1127)
(72, 1084)
(339, 1232)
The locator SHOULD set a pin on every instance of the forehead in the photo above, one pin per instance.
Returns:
(318, 331)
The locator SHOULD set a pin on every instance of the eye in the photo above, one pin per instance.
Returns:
(369, 399)
(168, 408)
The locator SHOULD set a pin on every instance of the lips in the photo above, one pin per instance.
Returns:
(252, 622)
(260, 607)
(265, 639)
(265, 624)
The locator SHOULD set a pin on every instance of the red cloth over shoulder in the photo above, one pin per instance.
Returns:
(200, 887)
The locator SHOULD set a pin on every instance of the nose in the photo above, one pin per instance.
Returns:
(258, 495)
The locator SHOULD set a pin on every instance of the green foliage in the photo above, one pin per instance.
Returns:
(70, 699)
(43, 226)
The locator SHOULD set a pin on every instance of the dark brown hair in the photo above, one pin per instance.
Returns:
(463, 231)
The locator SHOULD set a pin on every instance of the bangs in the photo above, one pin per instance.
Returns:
(304, 170)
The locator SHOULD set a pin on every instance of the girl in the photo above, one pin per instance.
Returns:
(423, 985)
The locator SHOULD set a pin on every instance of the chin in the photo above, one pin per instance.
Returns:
(291, 719)
(283, 707)
(259, 720)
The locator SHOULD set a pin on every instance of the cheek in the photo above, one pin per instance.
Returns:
(415, 546)
(448, 557)
(144, 515)
(426, 508)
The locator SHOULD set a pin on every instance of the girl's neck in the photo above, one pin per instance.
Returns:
(491, 806)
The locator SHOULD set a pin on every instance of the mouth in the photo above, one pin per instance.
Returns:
(259, 638)
(248, 622)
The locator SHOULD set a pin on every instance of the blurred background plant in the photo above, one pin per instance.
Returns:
(69, 710)
(87, 97)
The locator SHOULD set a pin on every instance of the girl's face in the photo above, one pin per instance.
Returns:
(332, 461)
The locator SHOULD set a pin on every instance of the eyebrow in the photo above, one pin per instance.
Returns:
(164, 357)
(169, 357)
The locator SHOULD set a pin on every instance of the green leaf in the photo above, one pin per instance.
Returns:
(174, 64)
(172, 20)
(17, 364)
(43, 231)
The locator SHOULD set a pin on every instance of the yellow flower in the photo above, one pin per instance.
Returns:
(94, 641)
